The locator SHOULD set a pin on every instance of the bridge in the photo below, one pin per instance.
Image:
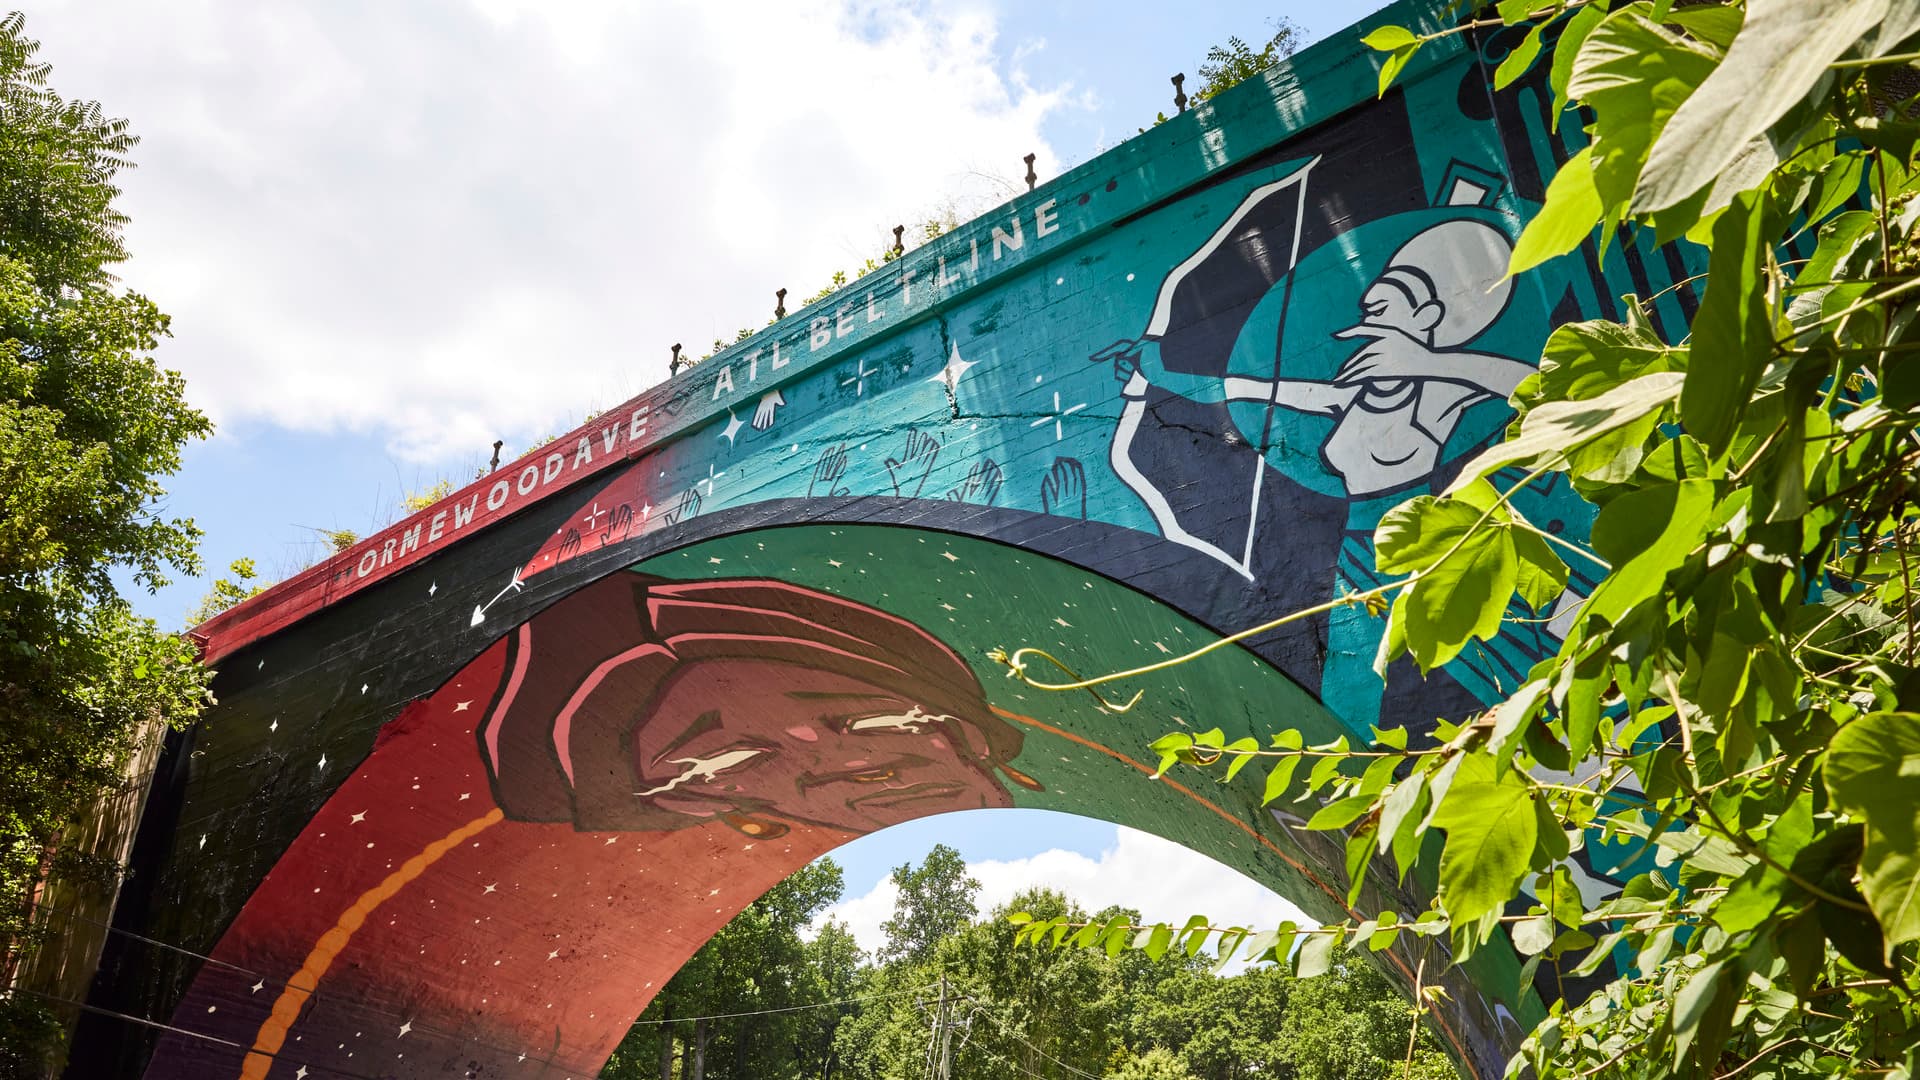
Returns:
(475, 788)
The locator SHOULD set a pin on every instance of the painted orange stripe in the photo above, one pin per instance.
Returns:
(286, 1008)
(1235, 821)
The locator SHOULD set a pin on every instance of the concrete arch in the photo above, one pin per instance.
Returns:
(1214, 358)
(534, 846)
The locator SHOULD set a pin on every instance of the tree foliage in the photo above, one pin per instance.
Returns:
(1236, 61)
(1738, 700)
(88, 421)
(1002, 1011)
(935, 899)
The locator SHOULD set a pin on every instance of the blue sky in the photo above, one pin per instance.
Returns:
(389, 233)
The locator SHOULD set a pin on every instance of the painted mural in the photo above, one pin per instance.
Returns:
(479, 786)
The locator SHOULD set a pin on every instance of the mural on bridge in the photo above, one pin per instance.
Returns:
(478, 787)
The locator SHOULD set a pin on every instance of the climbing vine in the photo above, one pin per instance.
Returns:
(1737, 702)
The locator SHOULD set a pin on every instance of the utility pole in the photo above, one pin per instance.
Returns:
(940, 1046)
(946, 1034)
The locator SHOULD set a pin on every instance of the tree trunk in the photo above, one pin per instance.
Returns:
(701, 1033)
(666, 1039)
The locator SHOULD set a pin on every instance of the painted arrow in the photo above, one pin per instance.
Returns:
(480, 613)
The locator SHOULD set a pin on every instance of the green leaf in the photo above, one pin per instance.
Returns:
(1511, 716)
(1316, 955)
(1278, 779)
(1389, 38)
(1873, 773)
(1644, 534)
(1711, 853)
(1460, 599)
(1566, 50)
(1572, 211)
(1583, 360)
(1396, 809)
(1733, 330)
(1158, 939)
(1417, 533)
(1694, 1012)
(1713, 23)
(1195, 933)
(1340, 813)
(1491, 834)
(1243, 754)
(1324, 770)
(1520, 59)
(1781, 52)
(1395, 63)
(1542, 575)
(1533, 936)
(1563, 425)
(1634, 74)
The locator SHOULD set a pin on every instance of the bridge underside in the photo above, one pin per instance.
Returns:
(476, 787)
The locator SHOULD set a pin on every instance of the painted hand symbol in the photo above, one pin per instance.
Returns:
(1064, 489)
(687, 507)
(831, 467)
(920, 448)
(763, 413)
(984, 480)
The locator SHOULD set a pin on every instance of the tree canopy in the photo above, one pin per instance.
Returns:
(975, 1005)
(88, 423)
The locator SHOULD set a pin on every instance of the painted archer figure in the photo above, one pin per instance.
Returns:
(1398, 398)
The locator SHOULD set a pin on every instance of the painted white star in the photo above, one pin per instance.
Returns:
(714, 560)
(203, 840)
(404, 1028)
(714, 892)
(1161, 647)
(301, 1073)
(733, 427)
(611, 840)
(949, 607)
(949, 376)
(358, 818)
(363, 688)
(491, 888)
(433, 588)
(259, 986)
(1061, 621)
(835, 563)
(275, 726)
(323, 761)
(461, 706)
(523, 1057)
(554, 955)
(949, 556)
(465, 795)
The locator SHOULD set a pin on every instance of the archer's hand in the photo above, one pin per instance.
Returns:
(1387, 354)
(1125, 357)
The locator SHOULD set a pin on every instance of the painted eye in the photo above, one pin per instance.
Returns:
(1375, 309)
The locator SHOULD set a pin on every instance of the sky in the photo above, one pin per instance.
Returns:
(389, 233)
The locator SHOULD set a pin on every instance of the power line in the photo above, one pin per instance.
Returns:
(144, 1022)
(790, 1008)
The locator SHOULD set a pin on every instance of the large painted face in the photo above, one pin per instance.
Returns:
(805, 744)
(1395, 304)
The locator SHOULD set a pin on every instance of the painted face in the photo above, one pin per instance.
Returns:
(803, 744)
(1388, 302)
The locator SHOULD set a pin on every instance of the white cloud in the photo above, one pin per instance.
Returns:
(440, 224)
(1162, 880)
